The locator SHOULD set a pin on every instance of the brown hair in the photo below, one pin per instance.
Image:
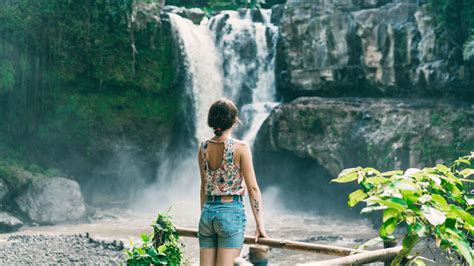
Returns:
(222, 115)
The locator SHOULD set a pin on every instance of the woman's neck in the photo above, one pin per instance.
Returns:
(226, 134)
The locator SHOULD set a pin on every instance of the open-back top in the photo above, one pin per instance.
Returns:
(227, 179)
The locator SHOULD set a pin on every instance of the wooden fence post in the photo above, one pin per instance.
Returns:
(258, 255)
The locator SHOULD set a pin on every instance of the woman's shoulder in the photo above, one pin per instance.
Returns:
(203, 143)
(240, 144)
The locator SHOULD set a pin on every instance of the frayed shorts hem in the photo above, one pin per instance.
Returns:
(234, 241)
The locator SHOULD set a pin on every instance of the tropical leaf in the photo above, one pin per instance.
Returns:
(346, 178)
(434, 216)
(388, 227)
(355, 197)
(389, 213)
(394, 203)
(377, 180)
(372, 209)
(392, 173)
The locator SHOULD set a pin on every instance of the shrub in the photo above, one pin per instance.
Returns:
(161, 247)
(433, 203)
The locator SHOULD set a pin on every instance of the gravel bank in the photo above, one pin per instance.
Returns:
(59, 249)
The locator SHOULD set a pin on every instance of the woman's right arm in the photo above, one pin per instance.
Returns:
(254, 191)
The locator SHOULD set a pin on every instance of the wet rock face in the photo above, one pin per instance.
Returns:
(3, 190)
(371, 47)
(385, 134)
(9, 223)
(52, 200)
(193, 14)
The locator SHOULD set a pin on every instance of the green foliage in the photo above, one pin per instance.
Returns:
(72, 72)
(7, 76)
(161, 247)
(456, 17)
(433, 202)
(17, 174)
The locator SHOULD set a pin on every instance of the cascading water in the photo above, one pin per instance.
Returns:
(247, 42)
(203, 67)
(230, 55)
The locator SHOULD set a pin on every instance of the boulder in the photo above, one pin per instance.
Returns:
(9, 223)
(382, 133)
(194, 14)
(145, 12)
(365, 48)
(52, 200)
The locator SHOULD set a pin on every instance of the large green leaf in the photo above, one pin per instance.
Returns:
(467, 172)
(434, 216)
(461, 245)
(442, 168)
(405, 184)
(377, 180)
(456, 211)
(349, 177)
(391, 173)
(389, 213)
(395, 203)
(440, 201)
(355, 197)
(388, 227)
(144, 237)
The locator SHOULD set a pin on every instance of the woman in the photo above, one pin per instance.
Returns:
(226, 171)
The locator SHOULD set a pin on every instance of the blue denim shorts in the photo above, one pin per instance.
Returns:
(222, 224)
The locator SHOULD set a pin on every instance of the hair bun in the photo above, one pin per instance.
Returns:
(218, 131)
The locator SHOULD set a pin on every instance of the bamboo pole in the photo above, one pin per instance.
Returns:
(284, 244)
(361, 258)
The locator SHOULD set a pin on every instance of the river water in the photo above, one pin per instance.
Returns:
(281, 223)
(124, 225)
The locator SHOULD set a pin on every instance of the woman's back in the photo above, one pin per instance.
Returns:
(222, 167)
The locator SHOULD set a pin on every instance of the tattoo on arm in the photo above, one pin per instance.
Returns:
(256, 206)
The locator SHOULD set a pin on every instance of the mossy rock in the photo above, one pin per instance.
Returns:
(16, 176)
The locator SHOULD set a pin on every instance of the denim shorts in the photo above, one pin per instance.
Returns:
(222, 224)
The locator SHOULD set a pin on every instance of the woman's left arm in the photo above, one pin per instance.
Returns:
(203, 180)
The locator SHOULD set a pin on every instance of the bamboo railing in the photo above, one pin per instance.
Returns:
(348, 256)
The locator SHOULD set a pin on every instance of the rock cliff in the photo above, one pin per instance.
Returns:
(373, 47)
(387, 134)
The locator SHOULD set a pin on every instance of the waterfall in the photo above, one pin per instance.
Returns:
(233, 55)
(203, 68)
(246, 40)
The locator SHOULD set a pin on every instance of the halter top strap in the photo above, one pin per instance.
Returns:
(228, 154)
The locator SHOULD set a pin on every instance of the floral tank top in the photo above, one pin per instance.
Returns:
(227, 179)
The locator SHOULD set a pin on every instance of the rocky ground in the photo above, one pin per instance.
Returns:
(62, 249)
